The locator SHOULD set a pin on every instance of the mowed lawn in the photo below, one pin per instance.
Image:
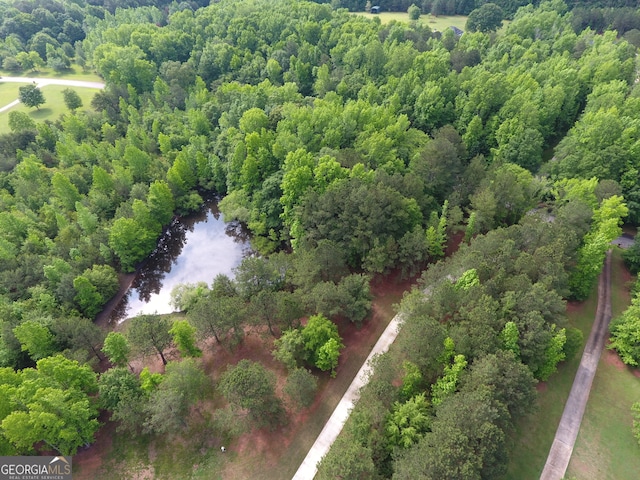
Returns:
(9, 92)
(439, 23)
(52, 108)
(534, 435)
(605, 448)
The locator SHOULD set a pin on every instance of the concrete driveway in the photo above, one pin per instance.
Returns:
(565, 439)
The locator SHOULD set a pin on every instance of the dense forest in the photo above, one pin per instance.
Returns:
(348, 148)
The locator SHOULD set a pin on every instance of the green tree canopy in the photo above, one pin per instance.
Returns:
(116, 347)
(486, 18)
(31, 96)
(184, 336)
(149, 334)
(250, 386)
(71, 99)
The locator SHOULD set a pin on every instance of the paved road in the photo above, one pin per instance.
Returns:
(565, 439)
(309, 466)
(41, 82)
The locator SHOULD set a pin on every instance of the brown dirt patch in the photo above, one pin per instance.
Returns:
(610, 357)
(266, 448)
(89, 460)
(541, 387)
(453, 243)
(573, 306)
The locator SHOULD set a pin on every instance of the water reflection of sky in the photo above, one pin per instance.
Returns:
(208, 250)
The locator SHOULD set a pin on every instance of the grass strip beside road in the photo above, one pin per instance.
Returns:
(605, 448)
(534, 434)
(74, 73)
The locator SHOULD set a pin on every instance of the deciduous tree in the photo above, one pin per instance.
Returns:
(184, 336)
(301, 387)
(31, 96)
(116, 347)
(149, 334)
(71, 99)
(249, 386)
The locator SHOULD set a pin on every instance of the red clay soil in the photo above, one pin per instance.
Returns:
(453, 243)
(89, 459)
(573, 306)
(257, 346)
(269, 446)
(541, 387)
(610, 357)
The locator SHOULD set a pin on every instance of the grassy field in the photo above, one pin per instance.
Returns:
(534, 435)
(50, 110)
(605, 448)
(439, 23)
(8, 93)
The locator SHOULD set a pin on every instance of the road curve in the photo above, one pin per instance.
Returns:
(309, 466)
(565, 439)
(42, 82)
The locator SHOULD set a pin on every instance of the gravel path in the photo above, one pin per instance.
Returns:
(564, 441)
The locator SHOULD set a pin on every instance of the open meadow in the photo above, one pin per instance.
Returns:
(436, 23)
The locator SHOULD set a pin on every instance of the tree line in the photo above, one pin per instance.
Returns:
(479, 332)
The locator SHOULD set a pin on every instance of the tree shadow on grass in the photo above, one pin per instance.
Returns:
(40, 114)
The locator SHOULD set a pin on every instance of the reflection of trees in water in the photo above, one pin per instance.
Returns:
(150, 275)
(149, 278)
(238, 232)
(119, 311)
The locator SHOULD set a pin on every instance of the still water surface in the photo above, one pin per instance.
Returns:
(194, 249)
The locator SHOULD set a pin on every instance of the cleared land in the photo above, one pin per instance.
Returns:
(257, 455)
(439, 23)
(8, 92)
(50, 110)
(74, 73)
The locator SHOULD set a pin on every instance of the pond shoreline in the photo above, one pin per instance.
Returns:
(104, 318)
(191, 248)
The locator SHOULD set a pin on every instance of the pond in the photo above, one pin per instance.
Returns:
(193, 249)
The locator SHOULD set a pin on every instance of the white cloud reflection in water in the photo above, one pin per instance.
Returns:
(208, 251)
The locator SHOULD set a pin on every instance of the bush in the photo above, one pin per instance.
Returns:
(301, 387)
(11, 64)
(414, 12)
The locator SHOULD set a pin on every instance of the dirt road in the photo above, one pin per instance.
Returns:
(564, 441)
